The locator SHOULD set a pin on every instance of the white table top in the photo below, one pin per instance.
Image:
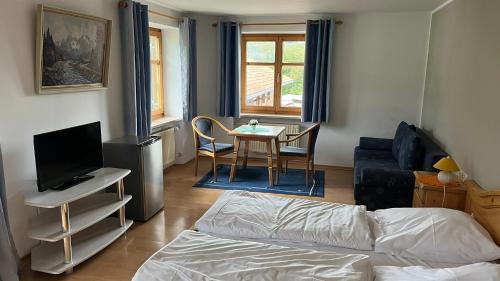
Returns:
(260, 131)
(103, 178)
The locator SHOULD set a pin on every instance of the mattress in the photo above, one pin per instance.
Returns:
(198, 256)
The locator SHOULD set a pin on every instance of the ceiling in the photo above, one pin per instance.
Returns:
(282, 7)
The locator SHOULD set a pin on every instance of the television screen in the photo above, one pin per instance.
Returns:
(64, 157)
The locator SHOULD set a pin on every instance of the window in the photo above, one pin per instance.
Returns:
(272, 74)
(157, 106)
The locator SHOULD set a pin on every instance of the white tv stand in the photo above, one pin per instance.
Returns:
(69, 238)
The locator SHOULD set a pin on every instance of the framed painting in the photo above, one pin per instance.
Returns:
(72, 52)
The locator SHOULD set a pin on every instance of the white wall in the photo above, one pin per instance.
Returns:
(23, 113)
(379, 67)
(378, 77)
(462, 87)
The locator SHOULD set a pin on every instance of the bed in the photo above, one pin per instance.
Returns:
(341, 228)
(215, 253)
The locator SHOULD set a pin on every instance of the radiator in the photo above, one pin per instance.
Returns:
(260, 147)
(168, 143)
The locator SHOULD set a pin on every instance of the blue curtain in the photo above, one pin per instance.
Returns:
(136, 71)
(228, 75)
(8, 255)
(188, 68)
(317, 72)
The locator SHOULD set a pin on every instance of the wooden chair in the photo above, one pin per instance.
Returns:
(291, 153)
(205, 143)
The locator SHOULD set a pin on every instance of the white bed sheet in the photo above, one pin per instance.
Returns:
(197, 256)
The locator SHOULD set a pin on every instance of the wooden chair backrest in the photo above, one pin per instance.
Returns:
(199, 134)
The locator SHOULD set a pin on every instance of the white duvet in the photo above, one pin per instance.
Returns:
(242, 214)
(198, 256)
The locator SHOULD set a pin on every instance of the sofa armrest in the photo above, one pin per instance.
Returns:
(382, 188)
(390, 178)
(375, 144)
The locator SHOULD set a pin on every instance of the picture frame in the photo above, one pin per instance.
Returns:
(72, 51)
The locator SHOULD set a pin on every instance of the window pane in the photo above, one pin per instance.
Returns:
(294, 51)
(292, 82)
(154, 43)
(156, 89)
(262, 51)
(156, 75)
(260, 85)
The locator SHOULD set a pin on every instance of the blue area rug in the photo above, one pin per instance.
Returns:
(255, 179)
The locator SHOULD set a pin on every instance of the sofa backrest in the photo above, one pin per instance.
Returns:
(401, 131)
(432, 152)
(411, 152)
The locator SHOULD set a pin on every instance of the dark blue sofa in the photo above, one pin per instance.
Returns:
(383, 168)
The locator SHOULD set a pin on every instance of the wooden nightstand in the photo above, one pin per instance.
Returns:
(432, 196)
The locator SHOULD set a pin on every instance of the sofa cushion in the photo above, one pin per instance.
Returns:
(375, 143)
(368, 154)
(219, 147)
(410, 152)
(293, 151)
(401, 131)
(372, 163)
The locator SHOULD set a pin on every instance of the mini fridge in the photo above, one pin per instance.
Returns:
(144, 157)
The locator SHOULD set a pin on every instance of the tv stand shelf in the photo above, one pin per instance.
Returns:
(103, 178)
(77, 222)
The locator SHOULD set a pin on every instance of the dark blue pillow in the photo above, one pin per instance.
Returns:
(410, 152)
(401, 131)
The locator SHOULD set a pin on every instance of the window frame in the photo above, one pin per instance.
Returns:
(156, 32)
(278, 64)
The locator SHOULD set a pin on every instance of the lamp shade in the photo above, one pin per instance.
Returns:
(447, 164)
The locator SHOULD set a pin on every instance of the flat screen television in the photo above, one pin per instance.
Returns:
(65, 157)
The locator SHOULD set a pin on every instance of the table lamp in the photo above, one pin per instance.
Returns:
(446, 166)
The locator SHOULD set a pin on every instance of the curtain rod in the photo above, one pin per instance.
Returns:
(124, 4)
(164, 15)
(339, 22)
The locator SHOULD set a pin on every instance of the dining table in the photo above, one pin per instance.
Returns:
(260, 133)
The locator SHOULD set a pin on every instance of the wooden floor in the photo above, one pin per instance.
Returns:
(183, 206)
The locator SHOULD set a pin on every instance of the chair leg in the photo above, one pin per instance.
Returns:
(286, 166)
(215, 168)
(307, 174)
(196, 164)
(313, 170)
(313, 178)
(245, 158)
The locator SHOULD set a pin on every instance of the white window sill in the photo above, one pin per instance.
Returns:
(165, 123)
(269, 116)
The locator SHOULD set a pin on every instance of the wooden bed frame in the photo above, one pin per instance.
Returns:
(484, 206)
